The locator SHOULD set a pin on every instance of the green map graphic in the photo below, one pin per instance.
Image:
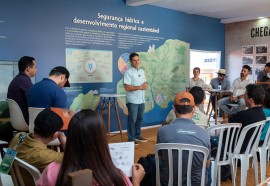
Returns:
(87, 101)
(167, 72)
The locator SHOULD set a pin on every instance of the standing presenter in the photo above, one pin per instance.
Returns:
(135, 85)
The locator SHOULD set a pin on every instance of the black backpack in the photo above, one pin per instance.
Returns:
(149, 166)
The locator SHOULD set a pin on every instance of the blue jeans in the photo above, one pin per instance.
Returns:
(135, 120)
(222, 103)
(208, 175)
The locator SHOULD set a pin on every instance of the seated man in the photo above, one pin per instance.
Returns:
(254, 98)
(48, 92)
(19, 86)
(238, 89)
(224, 84)
(32, 147)
(198, 117)
(183, 130)
(263, 78)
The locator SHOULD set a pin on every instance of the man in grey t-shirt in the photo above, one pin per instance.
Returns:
(183, 130)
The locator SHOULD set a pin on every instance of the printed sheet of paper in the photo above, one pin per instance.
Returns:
(89, 66)
(123, 156)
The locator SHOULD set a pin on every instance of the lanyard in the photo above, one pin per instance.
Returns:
(21, 138)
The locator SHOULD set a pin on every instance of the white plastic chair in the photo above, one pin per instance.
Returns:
(170, 147)
(3, 142)
(249, 152)
(16, 174)
(33, 112)
(16, 116)
(263, 149)
(202, 126)
(224, 151)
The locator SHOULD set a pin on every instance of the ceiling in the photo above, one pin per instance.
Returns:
(228, 11)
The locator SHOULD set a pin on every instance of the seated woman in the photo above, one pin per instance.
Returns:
(87, 148)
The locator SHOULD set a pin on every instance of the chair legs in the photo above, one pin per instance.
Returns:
(262, 153)
(255, 164)
(233, 170)
(214, 172)
(219, 175)
(244, 169)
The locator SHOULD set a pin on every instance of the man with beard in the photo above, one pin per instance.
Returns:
(238, 90)
(254, 98)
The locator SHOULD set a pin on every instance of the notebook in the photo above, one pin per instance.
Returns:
(123, 156)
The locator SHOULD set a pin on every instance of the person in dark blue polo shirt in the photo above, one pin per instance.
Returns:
(48, 92)
(19, 86)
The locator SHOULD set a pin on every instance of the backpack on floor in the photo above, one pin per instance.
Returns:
(149, 166)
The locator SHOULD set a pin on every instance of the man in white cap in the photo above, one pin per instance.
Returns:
(220, 82)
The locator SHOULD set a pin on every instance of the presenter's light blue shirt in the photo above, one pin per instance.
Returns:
(135, 77)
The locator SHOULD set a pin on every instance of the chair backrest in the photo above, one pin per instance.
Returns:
(3, 142)
(232, 131)
(253, 140)
(202, 126)
(16, 172)
(16, 116)
(33, 112)
(81, 177)
(266, 142)
(178, 147)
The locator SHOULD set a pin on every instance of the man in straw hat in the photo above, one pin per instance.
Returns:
(183, 130)
(222, 83)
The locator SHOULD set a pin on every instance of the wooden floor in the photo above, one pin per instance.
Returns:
(145, 148)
